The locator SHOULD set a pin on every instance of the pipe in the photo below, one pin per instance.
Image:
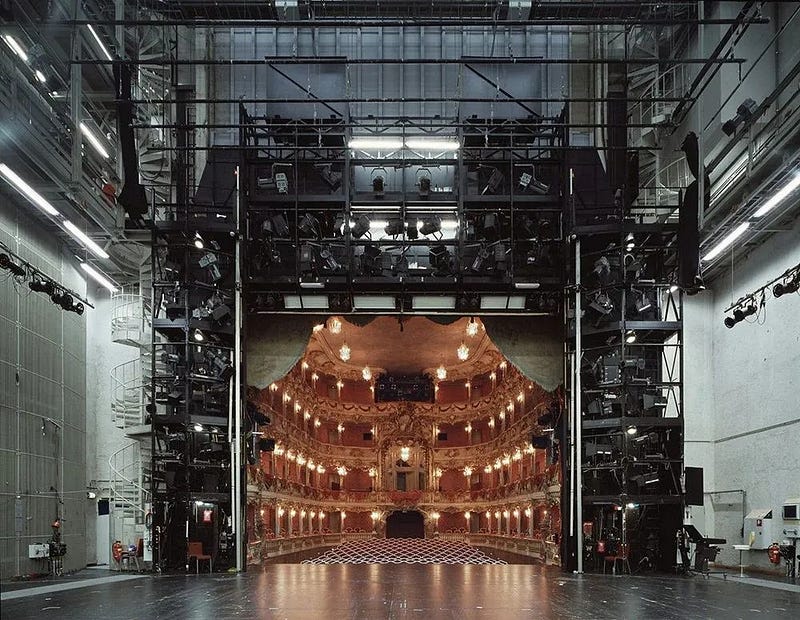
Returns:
(474, 60)
(448, 99)
(237, 464)
(478, 22)
(578, 420)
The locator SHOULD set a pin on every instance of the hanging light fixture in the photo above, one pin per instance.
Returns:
(462, 352)
(468, 427)
(405, 453)
(344, 352)
(372, 472)
(467, 471)
(335, 325)
(487, 469)
(472, 327)
(341, 470)
(340, 427)
(366, 373)
(441, 373)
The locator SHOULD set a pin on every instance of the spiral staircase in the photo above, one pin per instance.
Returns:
(130, 466)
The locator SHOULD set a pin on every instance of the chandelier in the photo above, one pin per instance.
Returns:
(341, 470)
(335, 325)
(372, 472)
(366, 373)
(441, 373)
(472, 327)
(405, 453)
(344, 352)
(467, 471)
(462, 352)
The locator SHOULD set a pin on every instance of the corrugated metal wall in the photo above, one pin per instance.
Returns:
(42, 405)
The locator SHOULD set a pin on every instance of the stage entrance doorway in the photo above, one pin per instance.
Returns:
(410, 524)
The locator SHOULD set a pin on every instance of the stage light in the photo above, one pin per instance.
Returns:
(332, 179)
(495, 181)
(361, 227)
(90, 245)
(740, 314)
(15, 47)
(40, 286)
(424, 187)
(728, 239)
(779, 196)
(673, 288)
(790, 286)
(378, 186)
(98, 146)
(99, 277)
(309, 226)
(743, 112)
(631, 430)
(394, 227)
(643, 303)
(198, 428)
(26, 190)
(631, 337)
(198, 241)
(99, 42)
(7, 263)
(198, 335)
(40, 76)
(431, 226)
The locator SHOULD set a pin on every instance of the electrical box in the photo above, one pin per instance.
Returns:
(758, 531)
(791, 509)
(39, 551)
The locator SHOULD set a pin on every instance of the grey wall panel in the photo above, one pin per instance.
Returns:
(39, 396)
(42, 408)
(8, 438)
(8, 387)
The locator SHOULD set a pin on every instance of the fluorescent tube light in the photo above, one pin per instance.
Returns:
(15, 46)
(373, 302)
(376, 143)
(432, 144)
(726, 241)
(305, 302)
(526, 285)
(100, 43)
(27, 191)
(433, 302)
(99, 277)
(98, 146)
(312, 285)
(84, 239)
(779, 196)
(40, 76)
(502, 302)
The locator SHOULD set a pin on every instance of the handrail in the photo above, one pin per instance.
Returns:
(118, 475)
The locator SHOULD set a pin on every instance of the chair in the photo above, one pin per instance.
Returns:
(621, 555)
(195, 550)
(131, 554)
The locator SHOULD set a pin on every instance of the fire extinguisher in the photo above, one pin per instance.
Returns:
(116, 550)
(774, 553)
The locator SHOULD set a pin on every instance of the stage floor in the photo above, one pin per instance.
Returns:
(304, 591)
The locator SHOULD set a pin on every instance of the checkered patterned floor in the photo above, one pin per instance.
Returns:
(404, 551)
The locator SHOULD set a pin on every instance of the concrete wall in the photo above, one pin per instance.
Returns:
(742, 419)
(42, 404)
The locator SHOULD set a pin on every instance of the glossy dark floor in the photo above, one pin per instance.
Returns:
(422, 591)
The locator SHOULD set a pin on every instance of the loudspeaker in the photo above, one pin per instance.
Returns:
(694, 486)
(132, 198)
(689, 276)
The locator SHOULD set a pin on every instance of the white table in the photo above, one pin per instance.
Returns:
(741, 548)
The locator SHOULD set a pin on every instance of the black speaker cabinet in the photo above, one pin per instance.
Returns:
(694, 486)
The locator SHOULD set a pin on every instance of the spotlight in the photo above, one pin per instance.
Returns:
(332, 179)
(62, 299)
(493, 184)
(378, 186)
(198, 335)
(394, 227)
(630, 338)
(198, 241)
(643, 303)
(41, 286)
(743, 112)
(491, 226)
(631, 430)
(7, 263)
(361, 227)
(790, 286)
(282, 183)
(329, 263)
(424, 189)
(431, 226)
(309, 226)
(740, 314)
(77, 308)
